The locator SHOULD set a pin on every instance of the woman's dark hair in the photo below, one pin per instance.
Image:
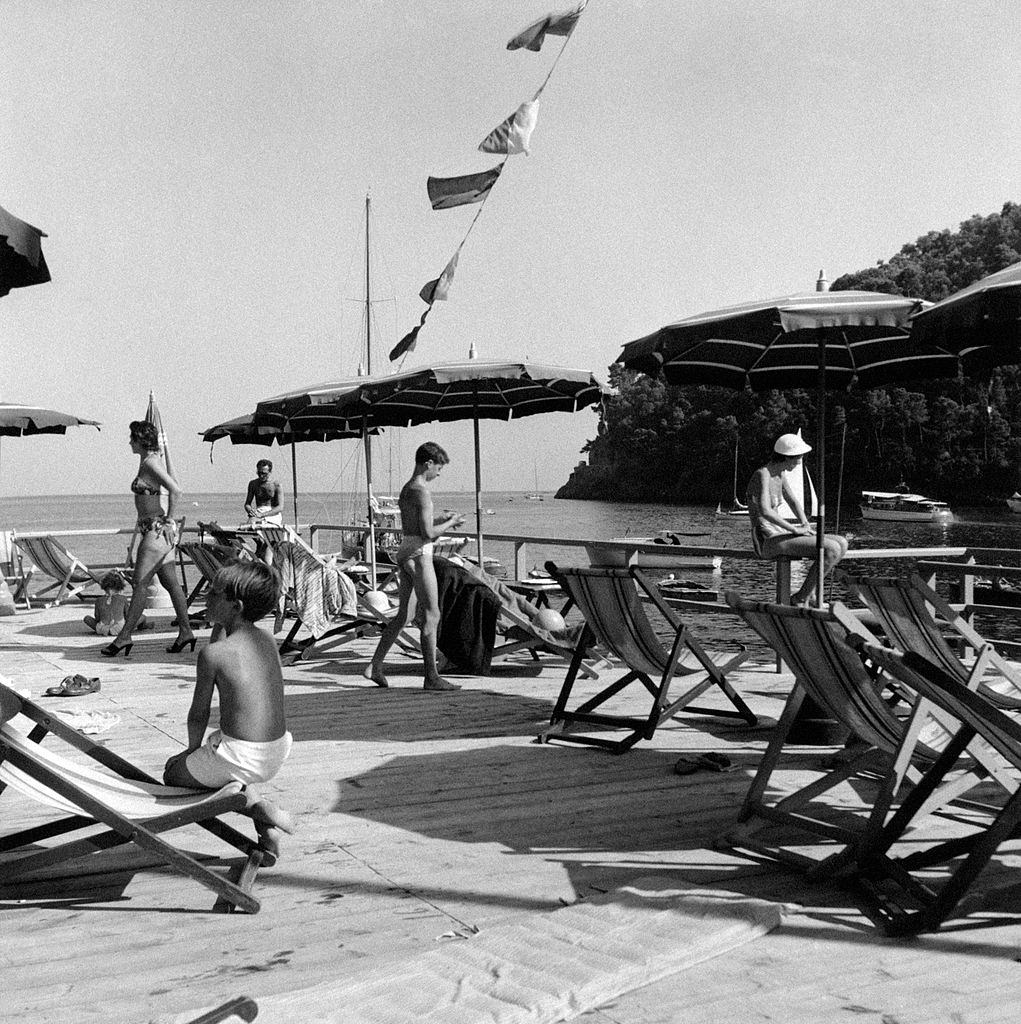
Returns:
(145, 433)
(253, 584)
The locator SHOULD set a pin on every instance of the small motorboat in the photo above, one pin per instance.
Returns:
(622, 551)
(686, 590)
(893, 506)
(1014, 503)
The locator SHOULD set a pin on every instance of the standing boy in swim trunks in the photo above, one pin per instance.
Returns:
(252, 741)
(415, 561)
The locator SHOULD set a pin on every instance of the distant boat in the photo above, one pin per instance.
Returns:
(1014, 503)
(535, 495)
(736, 506)
(893, 506)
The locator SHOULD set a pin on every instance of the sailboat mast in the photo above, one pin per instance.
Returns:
(366, 439)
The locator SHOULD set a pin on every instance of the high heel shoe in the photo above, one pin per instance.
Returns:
(179, 645)
(111, 650)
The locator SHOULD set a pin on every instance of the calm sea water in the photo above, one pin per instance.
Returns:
(511, 513)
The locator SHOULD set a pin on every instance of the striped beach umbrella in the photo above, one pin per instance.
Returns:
(826, 340)
(980, 324)
(472, 390)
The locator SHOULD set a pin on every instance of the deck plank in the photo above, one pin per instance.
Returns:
(420, 814)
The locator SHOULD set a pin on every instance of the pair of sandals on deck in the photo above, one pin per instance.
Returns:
(74, 686)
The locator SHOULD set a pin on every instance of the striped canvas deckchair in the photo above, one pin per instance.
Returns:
(12, 568)
(906, 903)
(209, 559)
(916, 618)
(116, 806)
(70, 575)
(816, 645)
(615, 618)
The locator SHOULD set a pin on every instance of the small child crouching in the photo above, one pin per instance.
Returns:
(252, 742)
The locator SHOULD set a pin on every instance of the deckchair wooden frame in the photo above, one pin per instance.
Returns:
(208, 559)
(817, 645)
(12, 568)
(904, 904)
(914, 617)
(616, 619)
(25, 752)
(70, 575)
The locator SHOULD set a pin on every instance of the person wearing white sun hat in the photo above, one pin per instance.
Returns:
(772, 535)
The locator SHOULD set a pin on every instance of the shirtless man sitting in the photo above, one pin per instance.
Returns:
(415, 561)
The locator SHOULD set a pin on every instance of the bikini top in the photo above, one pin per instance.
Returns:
(139, 487)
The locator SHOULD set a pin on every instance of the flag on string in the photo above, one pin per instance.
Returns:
(407, 343)
(513, 135)
(445, 193)
(436, 291)
(552, 24)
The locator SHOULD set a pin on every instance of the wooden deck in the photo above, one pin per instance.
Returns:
(422, 815)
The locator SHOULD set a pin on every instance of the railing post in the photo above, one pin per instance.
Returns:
(783, 591)
(520, 559)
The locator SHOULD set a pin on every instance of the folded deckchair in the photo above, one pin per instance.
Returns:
(116, 806)
(903, 889)
(615, 618)
(814, 643)
(70, 575)
(916, 618)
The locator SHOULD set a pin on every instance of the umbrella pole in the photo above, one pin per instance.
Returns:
(820, 526)
(478, 478)
(294, 482)
(372, 514)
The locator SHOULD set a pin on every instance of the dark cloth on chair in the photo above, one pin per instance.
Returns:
(468, 614)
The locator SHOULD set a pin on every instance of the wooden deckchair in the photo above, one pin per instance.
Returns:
(327, 604)
(915, 618)
(615, 618)
(814, 643)
(12, 568)
(133, 806)
(209, 559)
(70, 575)
(904, 903)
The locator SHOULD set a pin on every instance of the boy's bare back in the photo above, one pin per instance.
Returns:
(246, 672)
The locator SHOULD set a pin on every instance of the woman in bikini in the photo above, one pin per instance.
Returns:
(772, 535)
(157, 533)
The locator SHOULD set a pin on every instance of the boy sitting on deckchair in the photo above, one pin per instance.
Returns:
(252, 742)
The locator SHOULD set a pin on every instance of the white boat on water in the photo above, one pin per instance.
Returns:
(1014, 503)
(623, 551)
(893, 506)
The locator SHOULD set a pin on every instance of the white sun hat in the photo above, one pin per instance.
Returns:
(791, 445)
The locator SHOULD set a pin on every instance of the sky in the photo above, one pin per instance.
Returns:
(201, 171)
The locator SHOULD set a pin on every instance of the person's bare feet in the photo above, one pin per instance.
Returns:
(269, 838)
(264, 812)
(375, 675)
(439, 683)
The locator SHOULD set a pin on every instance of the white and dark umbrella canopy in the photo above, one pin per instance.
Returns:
(980, 324)
(780, 343)
(247, 430)
(21, 254)
(472, 390)
(25, 420)
(439, 394)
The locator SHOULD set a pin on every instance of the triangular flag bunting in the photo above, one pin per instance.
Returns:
(445, 193)
(514, 134)
(436, 291)
(553, 24)
(407, 343)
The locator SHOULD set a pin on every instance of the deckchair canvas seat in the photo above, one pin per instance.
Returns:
(134, 808)
(908, 904)
(615, 618)
(70, 575)
(914, 617)
(816, 645)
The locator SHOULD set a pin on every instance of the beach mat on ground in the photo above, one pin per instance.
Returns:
(539, 968)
